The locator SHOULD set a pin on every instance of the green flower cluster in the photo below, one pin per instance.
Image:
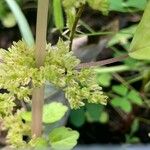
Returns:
(6, 105)
(17, 129)
(19, 71)
(19, 76)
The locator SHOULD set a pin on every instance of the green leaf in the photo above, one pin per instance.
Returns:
(134, 140)
(135, 98)
(22, 22)
(104, 79)
(122, 36)
(127, 6)
(39, 143)
(120, 89)
(63, 138)
(77, 117)
(51, 112)
(93, 112)
(104, 117)
(135, 126)
(58, 14)
(122, 103)
(140, 47)
(9, 21)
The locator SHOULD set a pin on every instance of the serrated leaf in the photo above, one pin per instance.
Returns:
(77, 117)
(135, 98)
(122, 103)
(63, 138)
(140, 47)
(51, 113)
(120, 90)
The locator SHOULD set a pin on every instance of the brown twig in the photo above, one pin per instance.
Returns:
(102, 62)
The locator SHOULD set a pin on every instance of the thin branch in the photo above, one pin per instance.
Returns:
(38, 93)
(79, 13)
(102, 62)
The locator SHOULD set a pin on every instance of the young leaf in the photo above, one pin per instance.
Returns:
(124, 104)
(51, 113)
(58, 14)
(135, 98)
(104, 117)
(140, 46)
(120, 90)
(63, 138)
(104, 79)
(135, 126)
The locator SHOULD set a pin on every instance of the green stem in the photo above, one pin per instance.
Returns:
(119, 68)
(38, 93)
(79, 13)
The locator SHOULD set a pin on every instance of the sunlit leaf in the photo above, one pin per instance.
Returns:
(51, 112)
(63, 138)
(120, 90)
(140, 46)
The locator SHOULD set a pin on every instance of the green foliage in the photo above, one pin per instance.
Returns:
(127, 6)
(77, 117)
(22, 22)
(6, 17)
(125, 98)
(131, 138)
(39, 143)
(123, 36)
(104, 79)
(101, 5)
(90, 113)
(139, 47)
(50, 113)
(71, 6)
(63, 138)
(58, 14)
(93, 112)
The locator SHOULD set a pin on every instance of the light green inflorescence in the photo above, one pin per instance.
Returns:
(19, 76)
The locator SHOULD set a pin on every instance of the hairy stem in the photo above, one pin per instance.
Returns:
(79, 13)
(38, 93)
